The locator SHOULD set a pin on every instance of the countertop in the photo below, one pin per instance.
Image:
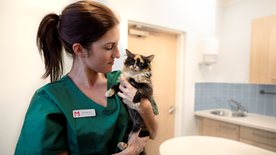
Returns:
(251, 120)
(203, 145)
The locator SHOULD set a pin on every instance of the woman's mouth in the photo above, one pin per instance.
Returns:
(111, 63)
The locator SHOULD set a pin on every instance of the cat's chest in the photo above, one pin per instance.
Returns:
(138, 79)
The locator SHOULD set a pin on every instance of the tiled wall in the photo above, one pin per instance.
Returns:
(216, 95)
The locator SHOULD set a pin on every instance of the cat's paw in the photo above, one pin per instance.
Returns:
(135, 105)
(122, 146)
(110, 93)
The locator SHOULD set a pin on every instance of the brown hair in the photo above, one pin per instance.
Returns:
(82, 22)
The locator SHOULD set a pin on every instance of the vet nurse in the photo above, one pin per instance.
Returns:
(71, 115)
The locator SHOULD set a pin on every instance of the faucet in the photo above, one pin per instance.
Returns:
(239, 106)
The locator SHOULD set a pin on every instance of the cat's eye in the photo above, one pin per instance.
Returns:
(132, 62)
(140, 64)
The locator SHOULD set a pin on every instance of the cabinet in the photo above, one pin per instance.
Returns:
(251, 136)
(258, 138)
(263, 51)
(209, 127)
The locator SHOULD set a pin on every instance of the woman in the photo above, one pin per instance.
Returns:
(71, 115)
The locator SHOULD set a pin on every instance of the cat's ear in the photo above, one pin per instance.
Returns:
(150, 57)
(128, 53)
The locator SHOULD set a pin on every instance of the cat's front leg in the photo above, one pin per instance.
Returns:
(135, 105)
(146, 92)
(112, 90)
(136, 100)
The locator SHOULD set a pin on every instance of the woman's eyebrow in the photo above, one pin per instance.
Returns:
(109, 43)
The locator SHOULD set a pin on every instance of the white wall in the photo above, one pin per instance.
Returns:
(234, 33)
(20, 64)
(22, 68)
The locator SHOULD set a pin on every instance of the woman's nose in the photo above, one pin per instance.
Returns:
(116, 53)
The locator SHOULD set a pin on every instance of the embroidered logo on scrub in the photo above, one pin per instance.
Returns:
(84, 113)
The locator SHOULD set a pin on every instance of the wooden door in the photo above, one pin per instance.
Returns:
(263, 51)
(163, 46)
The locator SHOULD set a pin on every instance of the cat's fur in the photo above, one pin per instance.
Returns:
(137, 70)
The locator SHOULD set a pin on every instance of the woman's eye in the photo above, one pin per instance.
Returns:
(140, 64)
(110, 48)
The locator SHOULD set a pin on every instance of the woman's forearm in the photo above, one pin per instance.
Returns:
(150, 120)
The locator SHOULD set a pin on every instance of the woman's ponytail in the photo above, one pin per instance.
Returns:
(50, 46)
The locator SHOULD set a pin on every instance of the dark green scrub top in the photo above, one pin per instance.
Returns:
(50, 128)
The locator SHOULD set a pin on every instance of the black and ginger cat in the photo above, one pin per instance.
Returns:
(137, 70)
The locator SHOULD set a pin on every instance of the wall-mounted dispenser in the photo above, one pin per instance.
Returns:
(209, 50)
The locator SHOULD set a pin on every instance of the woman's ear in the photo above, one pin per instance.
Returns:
(79, 50)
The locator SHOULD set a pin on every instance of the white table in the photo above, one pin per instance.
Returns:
(203, 145)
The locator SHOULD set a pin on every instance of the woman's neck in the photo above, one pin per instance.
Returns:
(92, 84)
(82, 76)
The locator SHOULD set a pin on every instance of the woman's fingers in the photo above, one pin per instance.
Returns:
(138, 143)
(124, 82)
(145, 139)
(138, 132)
(122, 87)
(128, 91)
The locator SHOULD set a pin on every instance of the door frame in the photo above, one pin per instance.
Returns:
(180, 71)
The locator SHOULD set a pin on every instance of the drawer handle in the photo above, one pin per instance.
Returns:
(263, 136)
(227, 127)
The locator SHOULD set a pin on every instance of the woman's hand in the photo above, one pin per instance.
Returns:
(128, 91)
(136, 144)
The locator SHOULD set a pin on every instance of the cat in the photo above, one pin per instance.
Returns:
(137, 70)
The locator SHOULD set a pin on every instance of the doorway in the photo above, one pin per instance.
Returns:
(167, 68)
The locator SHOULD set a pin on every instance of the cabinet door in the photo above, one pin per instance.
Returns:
(257, 144)
(257, 135)
(209, 127)
(263, 51)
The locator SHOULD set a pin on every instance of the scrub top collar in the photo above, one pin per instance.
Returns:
(109, 109)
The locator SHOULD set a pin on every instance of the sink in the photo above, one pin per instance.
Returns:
(229, 113)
